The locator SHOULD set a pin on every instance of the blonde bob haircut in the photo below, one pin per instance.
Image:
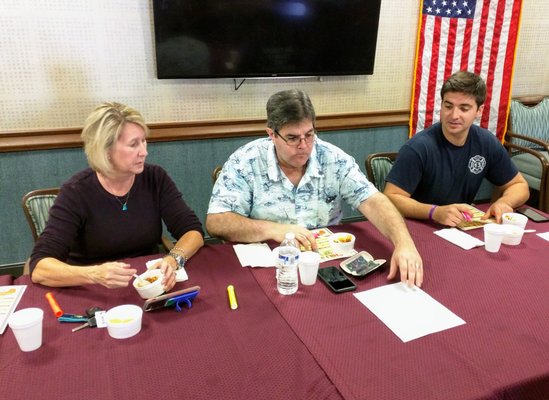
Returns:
(102, 129)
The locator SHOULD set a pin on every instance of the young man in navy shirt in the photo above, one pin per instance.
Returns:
(440, 169)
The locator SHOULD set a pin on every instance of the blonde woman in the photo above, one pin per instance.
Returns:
(113, 210)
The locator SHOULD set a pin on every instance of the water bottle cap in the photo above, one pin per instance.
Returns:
(290, 235)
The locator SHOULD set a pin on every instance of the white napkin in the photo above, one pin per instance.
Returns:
(254, 255)
(544, 235)
(459, 238)
(149, 264)
(180, 274)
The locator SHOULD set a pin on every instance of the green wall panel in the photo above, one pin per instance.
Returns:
(189, 163)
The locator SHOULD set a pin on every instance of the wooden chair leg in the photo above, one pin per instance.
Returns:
(26, 267)
(544, 196)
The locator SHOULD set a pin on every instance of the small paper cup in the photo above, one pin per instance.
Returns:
(124, 321)
(515, 219)
(513, 236)
(342, 242)
(26, 325)
(308, 267)
(151, 289)
(493, 236)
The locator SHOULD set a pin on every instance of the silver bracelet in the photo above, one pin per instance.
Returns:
(179, 259)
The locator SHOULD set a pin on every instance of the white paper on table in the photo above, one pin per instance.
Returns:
(409, 312)
(459, 238)
(180, 274)
(544, 235)
(254, 255)
(9, 299)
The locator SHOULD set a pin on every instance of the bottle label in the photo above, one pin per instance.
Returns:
(291, 259)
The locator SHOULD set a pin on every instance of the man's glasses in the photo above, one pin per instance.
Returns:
(294, 141)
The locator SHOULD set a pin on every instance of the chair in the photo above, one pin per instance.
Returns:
(378, 166)
(216, 172)
(36, 205)
(527, 140)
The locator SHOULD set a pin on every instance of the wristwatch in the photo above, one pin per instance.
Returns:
(179, 259)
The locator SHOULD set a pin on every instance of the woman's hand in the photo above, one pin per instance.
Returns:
(168, 266)
(112, 274)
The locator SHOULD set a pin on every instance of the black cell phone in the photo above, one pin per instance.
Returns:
(335, 279)
(532, 214)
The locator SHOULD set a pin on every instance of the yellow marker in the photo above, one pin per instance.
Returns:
(232, 297)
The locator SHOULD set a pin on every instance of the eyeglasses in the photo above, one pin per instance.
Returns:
(294, 141)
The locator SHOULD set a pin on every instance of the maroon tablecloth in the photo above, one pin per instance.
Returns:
(502, 352)
(207, 352)
(6, 280)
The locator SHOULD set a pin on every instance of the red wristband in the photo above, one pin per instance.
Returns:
(431, 212)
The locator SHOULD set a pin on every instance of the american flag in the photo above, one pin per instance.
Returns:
(474, 35)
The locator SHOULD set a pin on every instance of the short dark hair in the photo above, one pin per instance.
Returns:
(287, 107)
(465, 82)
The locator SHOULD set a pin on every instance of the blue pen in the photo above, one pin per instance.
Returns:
(72, 318)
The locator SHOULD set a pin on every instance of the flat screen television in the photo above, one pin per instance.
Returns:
(264, 38)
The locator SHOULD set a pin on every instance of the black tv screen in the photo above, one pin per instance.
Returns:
(264, 38)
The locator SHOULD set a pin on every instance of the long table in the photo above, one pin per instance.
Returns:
(502, 352)
(312, 345)
(206, 352)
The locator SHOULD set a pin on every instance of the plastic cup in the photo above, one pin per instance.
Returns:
(493, 236)
(308, 267)
(342, 242)
(514, 237)
(124, 321)
(26, 325)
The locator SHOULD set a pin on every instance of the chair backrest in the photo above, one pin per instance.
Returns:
(36, 205)
(378, 166)
(215, 173)
(529, 121)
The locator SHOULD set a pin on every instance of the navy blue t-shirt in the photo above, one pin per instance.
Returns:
(435, 171)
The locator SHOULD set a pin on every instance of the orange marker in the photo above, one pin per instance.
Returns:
(53, 304)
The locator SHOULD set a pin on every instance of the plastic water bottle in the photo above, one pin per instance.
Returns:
(288, 260)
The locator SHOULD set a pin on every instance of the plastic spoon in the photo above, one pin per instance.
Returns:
(142, 282)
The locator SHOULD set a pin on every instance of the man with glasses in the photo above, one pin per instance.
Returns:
(292, 181)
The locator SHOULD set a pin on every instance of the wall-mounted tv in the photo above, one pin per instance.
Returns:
(264, 38)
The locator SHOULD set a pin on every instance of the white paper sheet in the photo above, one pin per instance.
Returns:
(409, 312)
(9, 298)
(544, 235)
(254, 255)
(459, 238)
